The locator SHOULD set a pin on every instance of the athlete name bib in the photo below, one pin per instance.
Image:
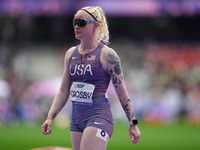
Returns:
(81, 93)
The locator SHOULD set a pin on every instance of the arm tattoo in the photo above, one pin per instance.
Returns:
(127, 110)
(117, 78)
(54, 116)
(116, 68)
(115, 81)
(114, 59)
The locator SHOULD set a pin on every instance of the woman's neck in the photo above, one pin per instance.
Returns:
(89, 45)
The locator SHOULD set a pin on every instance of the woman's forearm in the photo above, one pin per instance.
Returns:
(125, 101)
(128, 108)
(59, 102)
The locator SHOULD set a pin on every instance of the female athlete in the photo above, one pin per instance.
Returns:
(88, 69)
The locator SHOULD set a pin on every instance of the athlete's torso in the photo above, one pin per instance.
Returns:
(87, 68)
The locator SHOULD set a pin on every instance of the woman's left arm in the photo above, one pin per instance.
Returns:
(114, 68)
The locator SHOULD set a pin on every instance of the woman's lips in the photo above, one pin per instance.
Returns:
(77, 32)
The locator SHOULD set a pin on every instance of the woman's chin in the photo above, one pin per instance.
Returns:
(78, 37)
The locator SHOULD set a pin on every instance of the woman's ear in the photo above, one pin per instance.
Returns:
(96, 25)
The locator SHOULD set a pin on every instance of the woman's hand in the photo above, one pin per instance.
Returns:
(46, 127)
(134, 134)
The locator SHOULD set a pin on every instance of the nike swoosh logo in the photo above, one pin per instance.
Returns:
(97, 122)
(74, 57)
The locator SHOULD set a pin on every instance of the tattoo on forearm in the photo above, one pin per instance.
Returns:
(54, 115)
(133, 115)
(122, 78)
(127, 110)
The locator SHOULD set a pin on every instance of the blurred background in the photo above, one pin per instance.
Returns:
(157, 41)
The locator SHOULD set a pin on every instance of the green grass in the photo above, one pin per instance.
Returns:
(178, 136)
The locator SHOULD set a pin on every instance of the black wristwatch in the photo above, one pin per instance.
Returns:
(133, 122)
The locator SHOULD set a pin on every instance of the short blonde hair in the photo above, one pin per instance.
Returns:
(98, 13)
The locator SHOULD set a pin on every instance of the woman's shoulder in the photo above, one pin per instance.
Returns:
(69, 52)
(106, 55)
(71, 49)
(106, 50)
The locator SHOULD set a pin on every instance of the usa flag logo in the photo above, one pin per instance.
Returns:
(75, 86)
(91, 57)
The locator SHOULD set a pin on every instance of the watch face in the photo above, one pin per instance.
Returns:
(135, 121)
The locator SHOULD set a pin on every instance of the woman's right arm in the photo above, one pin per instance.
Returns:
(61, 97)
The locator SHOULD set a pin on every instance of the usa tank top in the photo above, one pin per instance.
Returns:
(87, 68)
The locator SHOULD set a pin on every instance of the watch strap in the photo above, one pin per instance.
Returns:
(133, 122)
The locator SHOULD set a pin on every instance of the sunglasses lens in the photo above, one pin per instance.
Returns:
(74, 22)
(79, 22)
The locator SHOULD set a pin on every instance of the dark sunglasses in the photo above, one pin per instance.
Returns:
(82, 22)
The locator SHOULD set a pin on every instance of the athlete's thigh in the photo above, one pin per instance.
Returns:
(93, 140)
(76, 139)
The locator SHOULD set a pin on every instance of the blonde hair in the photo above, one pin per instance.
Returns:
(98, 13)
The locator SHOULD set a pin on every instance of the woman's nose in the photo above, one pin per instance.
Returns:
(76, 26)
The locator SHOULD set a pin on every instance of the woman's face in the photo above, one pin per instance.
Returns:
(86, 31)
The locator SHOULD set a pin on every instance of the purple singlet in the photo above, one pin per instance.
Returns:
(88, 69)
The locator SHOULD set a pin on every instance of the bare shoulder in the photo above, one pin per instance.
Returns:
(109, 57)
(105, 49)
(107, 52)
(69, 52)
(104, 56)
